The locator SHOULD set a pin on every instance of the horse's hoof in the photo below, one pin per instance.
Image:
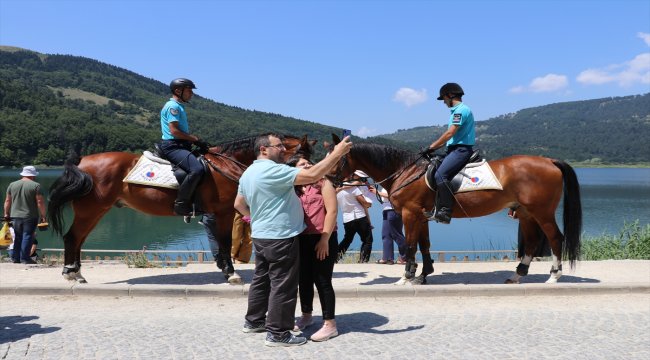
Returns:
(70, 276)
(234, 279)
(402, 281)
(510, 281)
(82, 281)
(418, 280)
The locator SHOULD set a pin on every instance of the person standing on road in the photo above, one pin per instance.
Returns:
(459, 138)
(318, 251)
(242, 245)
(23, 205)
(266, 194)
(391, 230)
(177, 143)
(355, 221)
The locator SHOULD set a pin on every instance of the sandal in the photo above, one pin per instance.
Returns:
(385, 262)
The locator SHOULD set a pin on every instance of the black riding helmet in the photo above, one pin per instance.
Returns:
(451, 88)
(181, 83)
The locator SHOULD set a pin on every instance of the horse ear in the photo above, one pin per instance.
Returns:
(336, 139)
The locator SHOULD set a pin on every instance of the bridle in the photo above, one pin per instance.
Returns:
(337, 179)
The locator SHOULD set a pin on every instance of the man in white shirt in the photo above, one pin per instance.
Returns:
(353, 206)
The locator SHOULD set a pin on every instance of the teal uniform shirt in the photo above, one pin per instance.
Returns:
(276, 211)
(173, 111)
(462, 116)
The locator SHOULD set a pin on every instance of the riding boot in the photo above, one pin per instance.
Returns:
(444, 203)
(183, 204)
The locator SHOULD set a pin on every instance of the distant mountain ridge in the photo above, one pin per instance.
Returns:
(53, 104)
(600, 131)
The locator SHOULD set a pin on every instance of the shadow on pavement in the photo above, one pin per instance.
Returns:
(494, 277)
(361, 322)
(14, 329)
(206, 278)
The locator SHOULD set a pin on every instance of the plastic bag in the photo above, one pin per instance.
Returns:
(5, 235)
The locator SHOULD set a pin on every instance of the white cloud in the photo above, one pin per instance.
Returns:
(547, 83)
(410, 97)
(626, 74)
(645, 37)
(365, 132)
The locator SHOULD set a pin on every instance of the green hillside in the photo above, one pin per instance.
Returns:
(602, 131)
(53, 104)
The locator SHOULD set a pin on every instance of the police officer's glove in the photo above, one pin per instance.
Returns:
(427, 153)
(203, 147)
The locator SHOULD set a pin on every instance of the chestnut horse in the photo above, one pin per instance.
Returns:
(94, 185)
(532, 185)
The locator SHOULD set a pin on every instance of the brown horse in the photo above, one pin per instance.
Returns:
(532, 185)
(94, 184)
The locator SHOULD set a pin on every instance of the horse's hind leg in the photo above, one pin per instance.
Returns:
(555, 238)
(529, 233)
(84, 222)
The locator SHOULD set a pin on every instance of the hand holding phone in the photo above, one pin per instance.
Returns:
(346, 132)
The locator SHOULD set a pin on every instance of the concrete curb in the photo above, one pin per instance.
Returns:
(374, 291)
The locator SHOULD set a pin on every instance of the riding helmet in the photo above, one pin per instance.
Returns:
(181, 83)
(450, 88)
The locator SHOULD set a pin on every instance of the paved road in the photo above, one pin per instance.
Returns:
(512, 327)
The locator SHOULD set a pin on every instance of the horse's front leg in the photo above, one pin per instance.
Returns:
(410, 267)
(220, 242)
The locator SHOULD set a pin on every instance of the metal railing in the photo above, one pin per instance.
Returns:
(182, 257)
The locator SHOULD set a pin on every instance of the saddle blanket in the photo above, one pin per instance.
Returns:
(478, 177)
(474, 176)
(153, 171)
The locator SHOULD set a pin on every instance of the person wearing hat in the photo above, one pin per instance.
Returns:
(354, 208)
(460, 138)
(24, 205)
(177, 143)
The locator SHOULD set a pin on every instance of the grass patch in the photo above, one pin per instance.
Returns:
(139, 260)
(632, 242)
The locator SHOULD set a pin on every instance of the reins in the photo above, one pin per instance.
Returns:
(216, 168)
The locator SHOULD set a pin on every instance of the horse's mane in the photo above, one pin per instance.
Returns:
(384, 156)
(237, 144)
(246, 143)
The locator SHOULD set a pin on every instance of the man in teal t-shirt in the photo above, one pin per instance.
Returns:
(459, 138)
(266, 194)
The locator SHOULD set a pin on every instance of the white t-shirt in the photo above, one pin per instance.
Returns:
(349, 205)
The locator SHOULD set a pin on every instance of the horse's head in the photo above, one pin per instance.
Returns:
(344, 168)
(294, 145)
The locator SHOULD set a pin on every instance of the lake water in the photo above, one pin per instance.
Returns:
(610, 197)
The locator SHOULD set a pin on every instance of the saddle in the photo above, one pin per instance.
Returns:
(157, 156)
(476, 175)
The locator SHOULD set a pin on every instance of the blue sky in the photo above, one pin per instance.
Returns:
(371, 66)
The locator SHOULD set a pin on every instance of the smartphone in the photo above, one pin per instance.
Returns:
(346, 132)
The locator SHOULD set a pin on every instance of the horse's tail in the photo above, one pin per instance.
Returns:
(572, 216)
(72, 184)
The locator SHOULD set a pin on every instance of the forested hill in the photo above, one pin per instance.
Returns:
(602, 131)
(52, 104)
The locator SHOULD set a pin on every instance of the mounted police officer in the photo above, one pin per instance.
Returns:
(459, 138)
(177, 143)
